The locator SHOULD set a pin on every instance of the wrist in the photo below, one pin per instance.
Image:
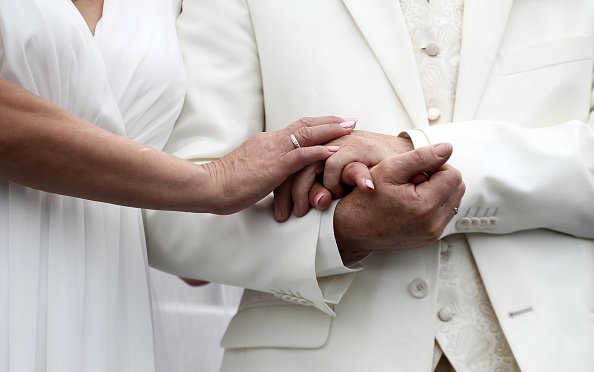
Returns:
(402, 144)
(205, 191)
(348, 239)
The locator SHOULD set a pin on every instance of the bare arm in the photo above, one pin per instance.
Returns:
(44, 147)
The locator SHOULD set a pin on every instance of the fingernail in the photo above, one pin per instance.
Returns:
(348, 123)
(369, 183)
(277, 214)
(333, 148)
(318, 199)
(441, 149)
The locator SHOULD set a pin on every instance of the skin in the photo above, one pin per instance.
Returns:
(91, 10)
(47, 148)
(412, 199)
(400, 214)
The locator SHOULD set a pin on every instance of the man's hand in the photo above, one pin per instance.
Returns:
(400, 214)
(350, 165)
(358, 152)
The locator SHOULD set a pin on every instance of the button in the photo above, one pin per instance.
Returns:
(475, 221)
(418, 288)
(433, 113)
(464, 222)
(431, 50)
(493, 221)
(485, 222)
(304, 302)
(286, 297)
(445, 314)
(444, 247)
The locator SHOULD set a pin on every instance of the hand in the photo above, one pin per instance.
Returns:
(350, 165)
(267, 159)
(399, 214)
(358, 152)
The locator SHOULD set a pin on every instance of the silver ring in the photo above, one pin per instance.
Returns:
(294, 140)
(455, 210)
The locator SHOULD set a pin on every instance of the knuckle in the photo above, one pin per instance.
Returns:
(306, 133)
(462, 188)
(306, 121)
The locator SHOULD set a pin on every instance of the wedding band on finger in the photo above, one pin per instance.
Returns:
(455, 210)
(294, 140)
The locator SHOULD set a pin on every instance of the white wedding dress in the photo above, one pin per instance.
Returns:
(74, 292)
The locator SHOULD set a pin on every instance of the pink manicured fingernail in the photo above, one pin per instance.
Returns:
(333, 148)
(318, 199)
(348, 123)
(369, 183)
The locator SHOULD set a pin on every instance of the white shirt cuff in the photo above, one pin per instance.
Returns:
(418, 137)
(328, 260)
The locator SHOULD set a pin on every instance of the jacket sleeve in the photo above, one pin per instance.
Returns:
(520, 178)
(223, 107)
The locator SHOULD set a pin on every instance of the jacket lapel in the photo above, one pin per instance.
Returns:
(484, 24)
(382, 24)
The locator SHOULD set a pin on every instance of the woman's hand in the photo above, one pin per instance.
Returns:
(266, 160)
(316, 185)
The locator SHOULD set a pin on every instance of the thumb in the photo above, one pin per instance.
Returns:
(401, 168)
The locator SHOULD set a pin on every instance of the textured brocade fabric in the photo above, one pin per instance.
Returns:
(472, 340)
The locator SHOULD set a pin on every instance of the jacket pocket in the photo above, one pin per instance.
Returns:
(550, 53)
(275, 323)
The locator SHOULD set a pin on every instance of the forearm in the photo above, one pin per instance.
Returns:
(45, 147)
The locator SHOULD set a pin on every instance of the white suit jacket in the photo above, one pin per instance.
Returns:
(522, 139)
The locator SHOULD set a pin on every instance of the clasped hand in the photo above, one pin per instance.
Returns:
(403, 198)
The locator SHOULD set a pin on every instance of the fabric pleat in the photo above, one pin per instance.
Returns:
(74, 291)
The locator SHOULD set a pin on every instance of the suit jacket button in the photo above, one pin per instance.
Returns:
(418, 288)
(464, 223)
(304, 302)
(485, 222)
(475, 222)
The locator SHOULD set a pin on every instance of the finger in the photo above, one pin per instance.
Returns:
(319, 196)
(312, 122)
(302, 183)
(401, 168)
(294, 161)
(306, 136)
(419, 178)
(442, 185)
(357, 173)
(194, 282)
(447, 209)
(335, 166)
(283, 203)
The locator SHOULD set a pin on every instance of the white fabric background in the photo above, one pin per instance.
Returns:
(189, 323)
